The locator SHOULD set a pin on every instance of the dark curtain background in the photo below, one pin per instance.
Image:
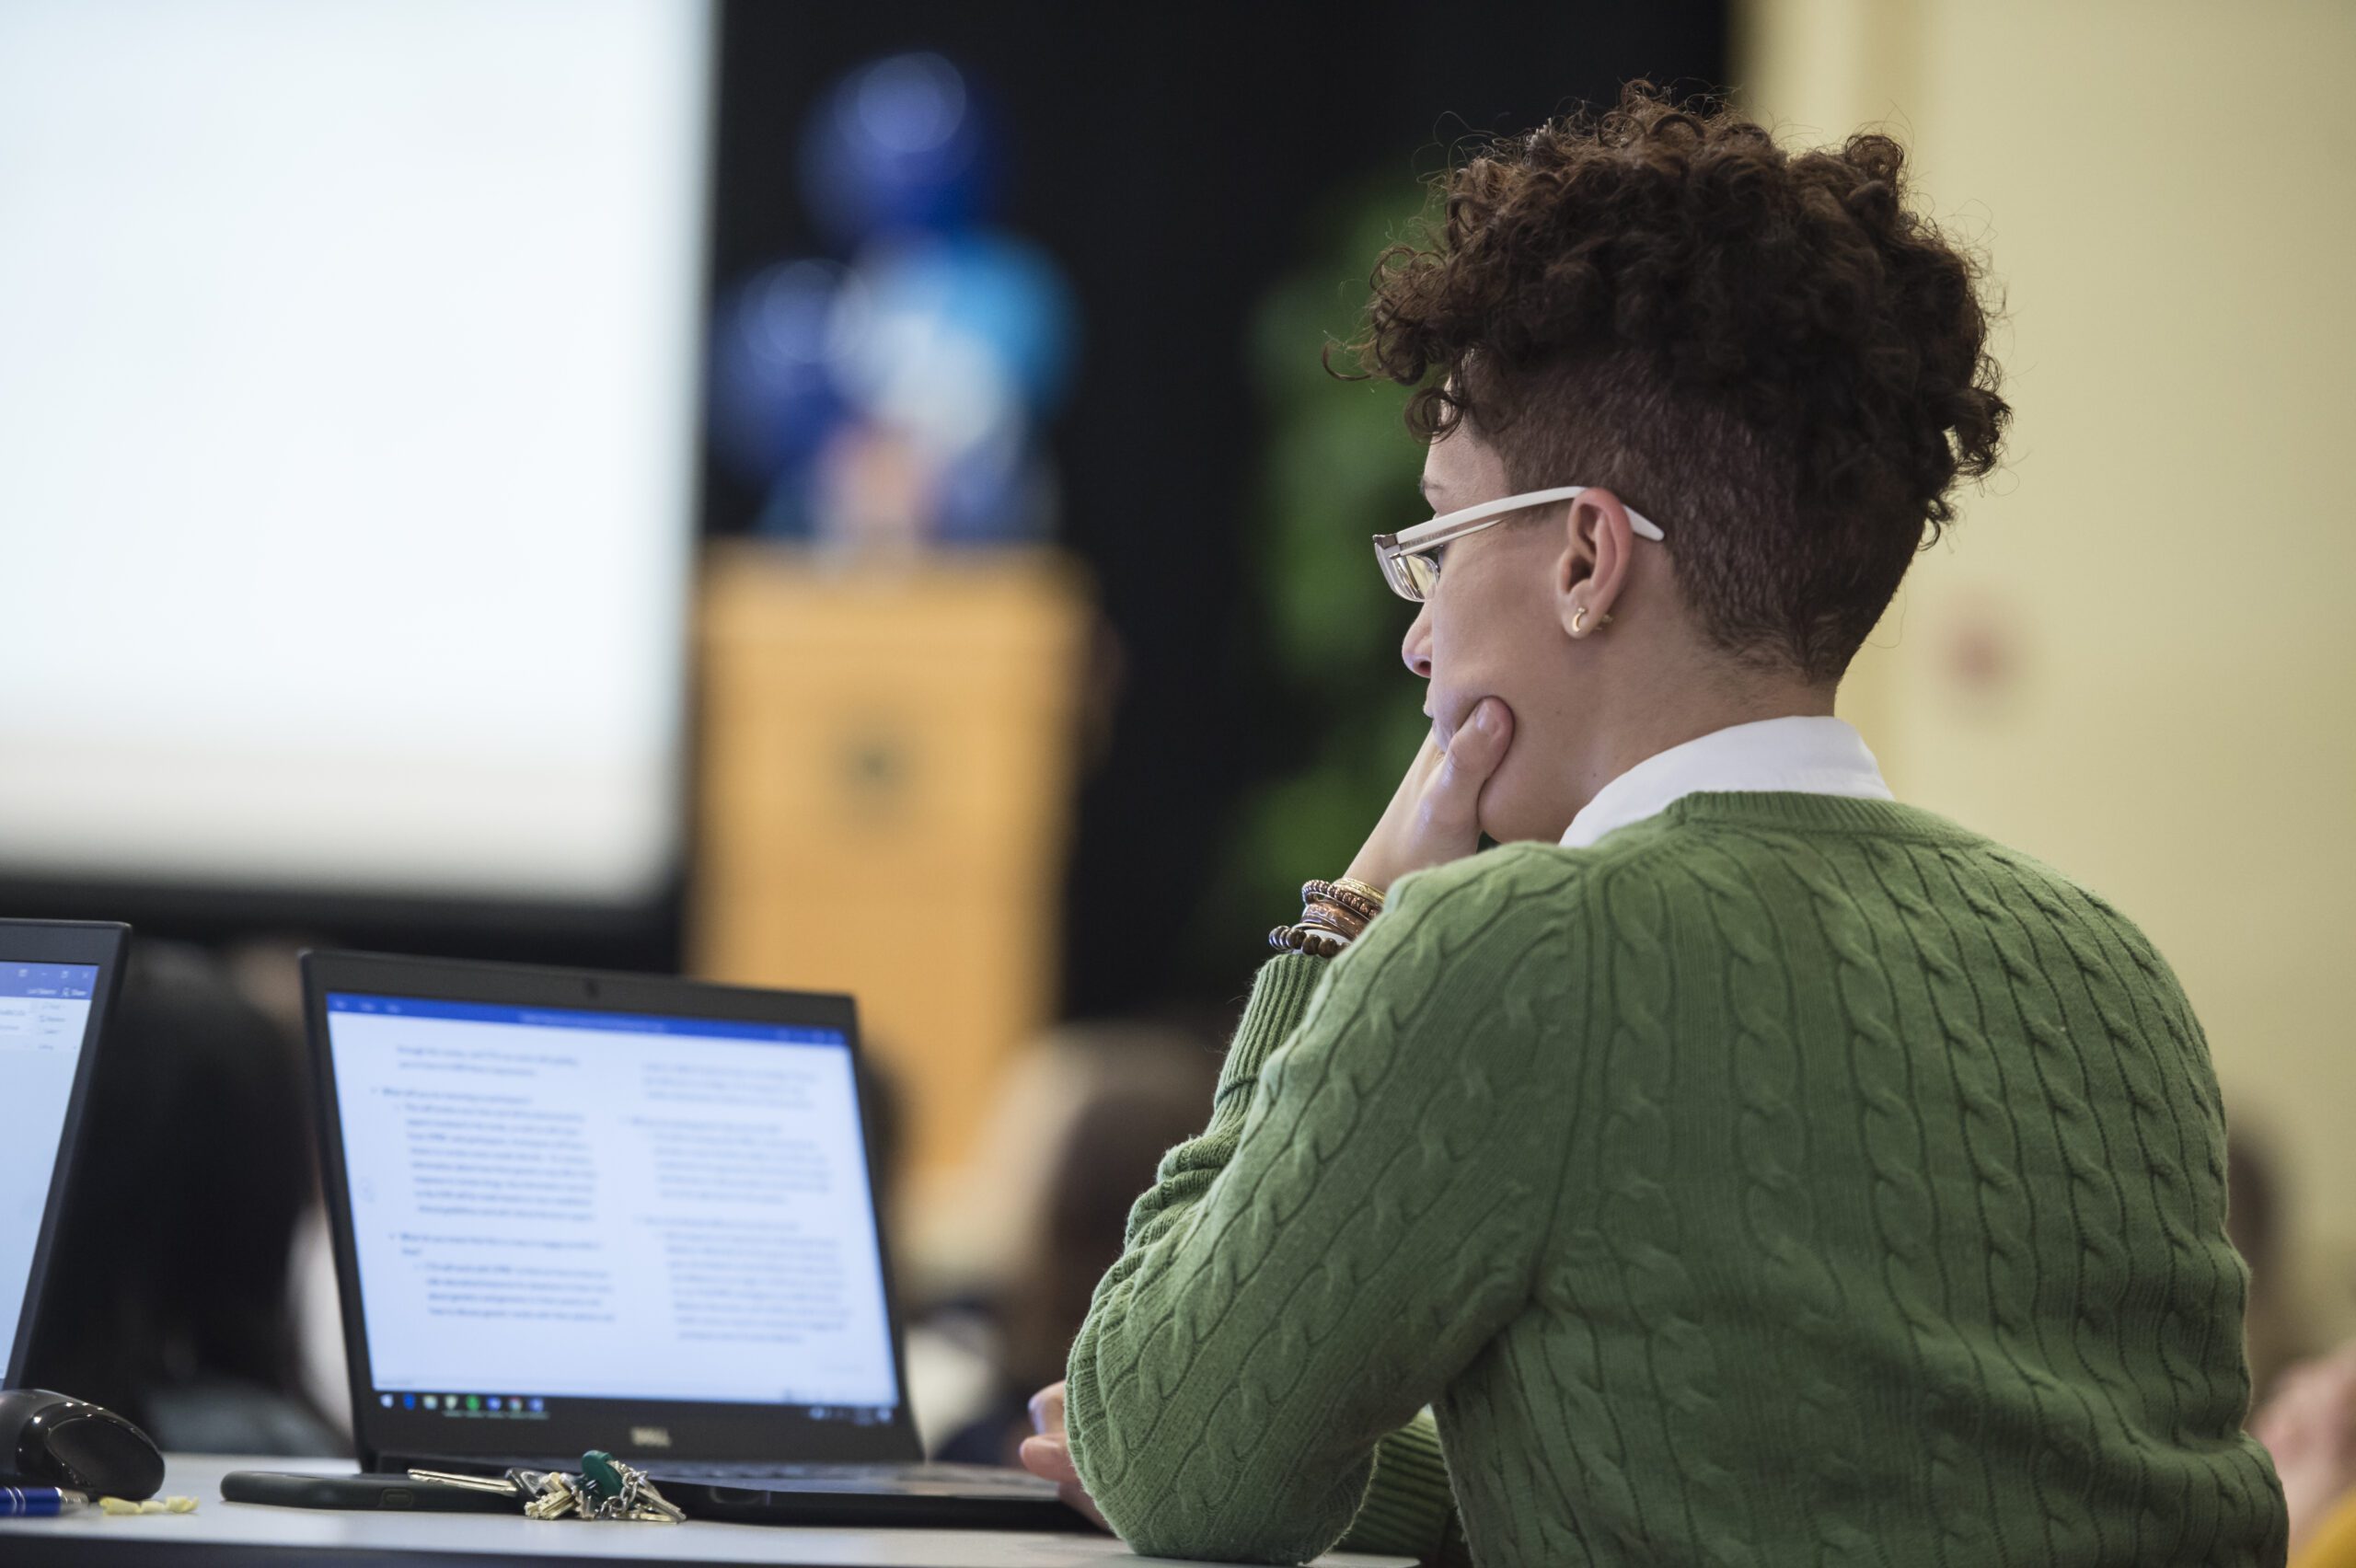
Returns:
(1167, 156)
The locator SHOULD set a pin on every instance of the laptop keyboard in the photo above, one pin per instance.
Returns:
(910, 1471)
(983, 1478)
(974, 1477)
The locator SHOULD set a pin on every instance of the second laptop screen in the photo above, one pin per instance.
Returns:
(609, 1205)
(44, 1009)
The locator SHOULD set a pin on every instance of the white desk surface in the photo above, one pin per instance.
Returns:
(243, 1533)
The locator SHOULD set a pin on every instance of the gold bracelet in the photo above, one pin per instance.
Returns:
(1341, 897)
(1333, 917)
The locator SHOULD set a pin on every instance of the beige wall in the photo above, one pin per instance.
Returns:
(2136, 656)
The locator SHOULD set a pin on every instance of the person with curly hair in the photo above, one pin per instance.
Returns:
(1736, 1165)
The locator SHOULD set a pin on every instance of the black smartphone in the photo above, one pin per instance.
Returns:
(391, 1493)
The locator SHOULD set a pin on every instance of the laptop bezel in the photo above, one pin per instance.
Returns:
(698, 1431)
(103, 943)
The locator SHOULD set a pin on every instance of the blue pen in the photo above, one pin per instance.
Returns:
(37, 1502)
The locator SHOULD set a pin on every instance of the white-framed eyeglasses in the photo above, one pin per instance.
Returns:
(1411, 560)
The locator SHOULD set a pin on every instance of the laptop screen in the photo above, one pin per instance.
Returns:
(554, 1204)
(44, 1020)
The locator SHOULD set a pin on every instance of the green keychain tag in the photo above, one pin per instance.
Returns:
(598, 1466)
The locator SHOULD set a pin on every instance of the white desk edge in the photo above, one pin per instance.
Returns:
(217, 1525)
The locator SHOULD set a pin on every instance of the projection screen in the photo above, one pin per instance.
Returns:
(348, 369)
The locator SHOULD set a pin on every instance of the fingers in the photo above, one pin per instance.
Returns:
(1048, 1454)
(1433, 816)
(1451, 804)
(1477, 748)
(1050, 1457)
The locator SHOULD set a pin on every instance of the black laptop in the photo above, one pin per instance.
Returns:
(577, 1210)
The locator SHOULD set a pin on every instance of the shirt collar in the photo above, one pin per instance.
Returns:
(1815, 754)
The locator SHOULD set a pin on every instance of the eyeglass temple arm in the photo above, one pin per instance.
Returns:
(1422, 533)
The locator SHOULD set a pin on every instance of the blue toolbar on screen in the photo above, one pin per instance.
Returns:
(63, 982)
(579, 1018)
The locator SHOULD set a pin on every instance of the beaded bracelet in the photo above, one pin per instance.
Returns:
(1333, 916)
(1303, 939)
(1355, 896)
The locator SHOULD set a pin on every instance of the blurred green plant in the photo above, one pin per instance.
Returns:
(1338, 466)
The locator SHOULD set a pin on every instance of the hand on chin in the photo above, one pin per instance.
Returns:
(1434, 815)
(1510, 814)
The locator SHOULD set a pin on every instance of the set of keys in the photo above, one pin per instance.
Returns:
(604, 1488)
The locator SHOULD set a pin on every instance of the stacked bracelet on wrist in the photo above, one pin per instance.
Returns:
(1333, 915)
(1300, 938)
(1348, 894)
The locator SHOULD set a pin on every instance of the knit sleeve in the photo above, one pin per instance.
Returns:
(1360, 1217)
(1408, 1510)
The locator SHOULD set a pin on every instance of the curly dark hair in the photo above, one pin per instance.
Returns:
(1767, 352)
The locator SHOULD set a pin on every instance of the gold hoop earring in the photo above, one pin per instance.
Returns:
(1578, 622)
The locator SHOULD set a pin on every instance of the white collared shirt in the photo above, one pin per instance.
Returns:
(1808, 753)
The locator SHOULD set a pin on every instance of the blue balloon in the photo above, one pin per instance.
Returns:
(993, 287)
(899, 143)
(775, 393)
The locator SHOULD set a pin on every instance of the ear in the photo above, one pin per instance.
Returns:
(1593, 568)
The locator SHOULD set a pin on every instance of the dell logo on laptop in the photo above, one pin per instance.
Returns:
(651, 1436)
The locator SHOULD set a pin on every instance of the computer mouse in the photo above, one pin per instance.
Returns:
(54, 1440)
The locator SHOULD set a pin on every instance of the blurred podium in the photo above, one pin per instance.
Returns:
(887, 770)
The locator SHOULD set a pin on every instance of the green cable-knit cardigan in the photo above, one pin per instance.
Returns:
(1786, 1179)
